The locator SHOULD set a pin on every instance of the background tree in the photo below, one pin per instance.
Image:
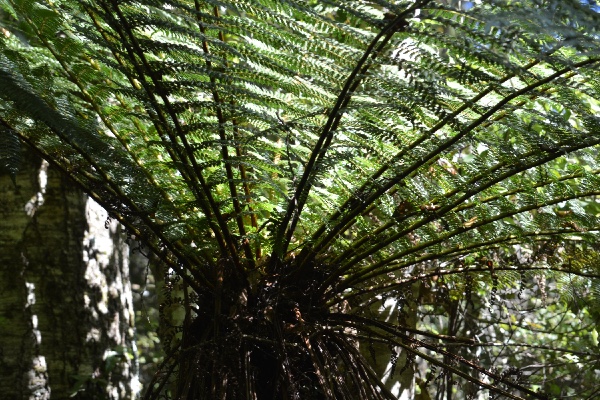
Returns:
(66, 302)
(292, 165)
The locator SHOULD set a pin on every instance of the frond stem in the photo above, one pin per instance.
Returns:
(204, 193)
(365, 274)
(411, 344)
(354, 210)
(296, 203)
(448, 143)
(223, 136)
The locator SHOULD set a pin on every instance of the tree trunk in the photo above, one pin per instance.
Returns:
(66, 323)
(392, 364)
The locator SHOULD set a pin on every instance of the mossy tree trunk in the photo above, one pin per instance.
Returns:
(66, 323)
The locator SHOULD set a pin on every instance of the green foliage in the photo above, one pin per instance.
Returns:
(287, 160)
(10, 152)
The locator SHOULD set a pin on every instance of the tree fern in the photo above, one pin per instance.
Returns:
(285, 159)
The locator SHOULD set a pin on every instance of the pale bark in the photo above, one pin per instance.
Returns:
(393, 365)
(66, 323)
